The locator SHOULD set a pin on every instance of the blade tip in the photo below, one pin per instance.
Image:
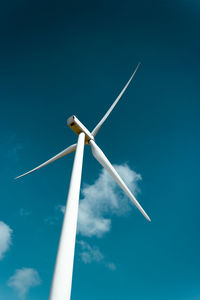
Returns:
(19, 176)
(138, 65)
(148, 218)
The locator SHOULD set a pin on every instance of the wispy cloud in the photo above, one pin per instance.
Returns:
(23, 280)
(13, 148)
(24, 212)
(13, 153)
(103, 199)
(53, 219)
(5, 238)
(60, 208)
(91, 254)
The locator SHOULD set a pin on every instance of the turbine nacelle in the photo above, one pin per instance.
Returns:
(74, 123)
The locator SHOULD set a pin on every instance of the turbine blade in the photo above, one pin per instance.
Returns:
(102, 159)
(96, 129)
(57, 156)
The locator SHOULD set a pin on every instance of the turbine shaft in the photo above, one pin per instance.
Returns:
(57, 156)
(102, 159)
(96, 129)
(62, 278)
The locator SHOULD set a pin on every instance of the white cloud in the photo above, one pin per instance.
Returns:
(101, 200)
(91, 254)
(104, 198)
(23, 280)
(5, 238)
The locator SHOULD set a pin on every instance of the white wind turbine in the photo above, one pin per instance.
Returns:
(62, 277)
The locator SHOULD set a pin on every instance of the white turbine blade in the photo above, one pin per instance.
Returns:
(96, 129)
(57, 156)
(102, 159)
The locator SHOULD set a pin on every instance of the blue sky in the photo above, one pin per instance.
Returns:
(63, 58)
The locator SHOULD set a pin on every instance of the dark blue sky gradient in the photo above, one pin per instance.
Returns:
(59, 58)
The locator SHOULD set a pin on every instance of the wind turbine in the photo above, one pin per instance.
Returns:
(62, 277)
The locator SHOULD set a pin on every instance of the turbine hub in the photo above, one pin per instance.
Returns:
(78, 127)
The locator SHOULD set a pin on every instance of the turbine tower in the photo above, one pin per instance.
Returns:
(62, 277)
